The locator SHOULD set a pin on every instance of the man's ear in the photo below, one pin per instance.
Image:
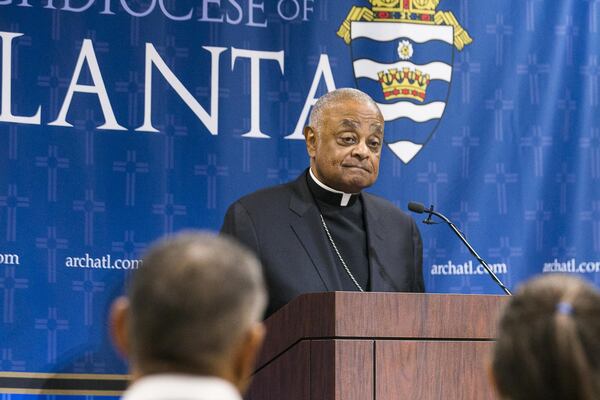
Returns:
(119, 325)
(310, 137)
(246, 358)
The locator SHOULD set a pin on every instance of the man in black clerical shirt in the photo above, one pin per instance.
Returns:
(321, 232)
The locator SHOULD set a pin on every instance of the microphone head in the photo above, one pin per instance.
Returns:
(416, 207)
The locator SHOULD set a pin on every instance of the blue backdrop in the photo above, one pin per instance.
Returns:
(121, 121)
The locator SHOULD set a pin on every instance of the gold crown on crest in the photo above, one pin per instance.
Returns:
(416, 11)
(405, 84)
(405, 11)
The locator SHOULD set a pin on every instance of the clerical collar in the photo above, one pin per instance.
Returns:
(329, 195)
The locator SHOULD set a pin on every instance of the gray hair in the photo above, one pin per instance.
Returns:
(195, 295)
(333, 97)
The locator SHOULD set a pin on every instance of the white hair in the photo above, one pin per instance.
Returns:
(331, 98)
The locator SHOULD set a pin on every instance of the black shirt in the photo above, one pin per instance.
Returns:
(347, 227)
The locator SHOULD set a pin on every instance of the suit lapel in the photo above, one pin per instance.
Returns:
(308, 228)
(378, 252)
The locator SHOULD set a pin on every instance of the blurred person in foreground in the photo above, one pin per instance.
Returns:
(548, 345)
(190, 325)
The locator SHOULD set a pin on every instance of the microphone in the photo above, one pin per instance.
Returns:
(419, 208)
(416, 207)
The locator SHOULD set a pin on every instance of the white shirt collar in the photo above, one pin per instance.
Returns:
(345, 196)
(181, 387)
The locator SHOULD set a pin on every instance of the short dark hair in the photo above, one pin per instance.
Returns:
(193, 297)
(549, 341)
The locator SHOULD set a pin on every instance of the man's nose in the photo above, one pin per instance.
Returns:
(361, 150)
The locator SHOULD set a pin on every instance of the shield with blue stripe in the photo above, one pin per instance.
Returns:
(407, 69)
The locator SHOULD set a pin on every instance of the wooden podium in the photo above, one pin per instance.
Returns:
(378, 346)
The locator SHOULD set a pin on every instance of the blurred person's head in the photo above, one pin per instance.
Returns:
(549, 342)
(194, 307)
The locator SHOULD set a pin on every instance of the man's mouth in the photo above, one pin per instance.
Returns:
(360, 167)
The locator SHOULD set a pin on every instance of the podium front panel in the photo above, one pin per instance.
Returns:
(432, 370)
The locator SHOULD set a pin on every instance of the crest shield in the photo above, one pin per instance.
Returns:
(407, 69)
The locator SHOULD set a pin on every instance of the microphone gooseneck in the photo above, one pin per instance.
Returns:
(419, 208)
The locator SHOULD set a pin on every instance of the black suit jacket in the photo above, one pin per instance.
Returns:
(282, 225)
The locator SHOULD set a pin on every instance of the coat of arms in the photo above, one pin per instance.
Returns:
(402, 54)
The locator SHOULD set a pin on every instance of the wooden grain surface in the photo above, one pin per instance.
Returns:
(432, 370)
(383, 346)
(342, 369)
(340, 315)
(287, 377)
